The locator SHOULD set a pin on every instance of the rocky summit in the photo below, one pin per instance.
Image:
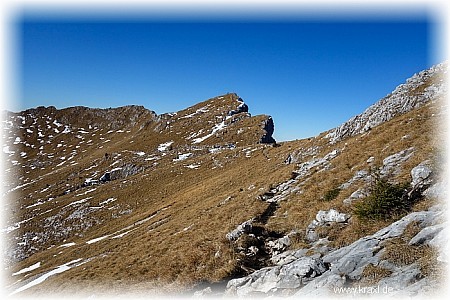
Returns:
(204, 202)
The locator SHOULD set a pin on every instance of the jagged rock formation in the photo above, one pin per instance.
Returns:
(418, 90)
(113, 200)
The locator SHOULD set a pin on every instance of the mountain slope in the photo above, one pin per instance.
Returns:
(123, 200)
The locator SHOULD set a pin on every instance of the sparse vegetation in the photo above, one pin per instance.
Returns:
(371, 274)
(385, 200)
(331, 194)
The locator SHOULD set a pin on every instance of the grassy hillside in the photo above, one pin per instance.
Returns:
(132, 201)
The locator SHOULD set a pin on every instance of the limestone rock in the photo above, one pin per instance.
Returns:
(426, 234)
(358, 194)
(421, 175)
(400, 101)
(279, 245)
(273, 279)
(392, 163)
(348, 262)
(331, 215)
(324, 217)
(245, 227)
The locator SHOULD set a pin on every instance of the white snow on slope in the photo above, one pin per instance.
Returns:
(28, 269)
(215, 129)
(182, 156)
(42, 278)
(97, 239)
(164, 146)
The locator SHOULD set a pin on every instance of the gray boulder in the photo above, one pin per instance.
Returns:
(272, 280)
(331, 215)
(324, 217)
(421, 175)
(426, 235)
(358, 194)
(279, 245)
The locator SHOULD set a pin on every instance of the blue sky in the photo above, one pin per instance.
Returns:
(310, 75)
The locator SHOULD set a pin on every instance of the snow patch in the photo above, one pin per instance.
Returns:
(182, 156)
(193, 166)
(164, 146)
(28, 269)
(67, 245)
(97, 239)
(42, 278)
(215, 129)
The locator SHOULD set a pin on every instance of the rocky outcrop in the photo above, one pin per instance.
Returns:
(272, 280)
(348, 263)
(242, 107)
(121, 172)
(421, 88)
(268, 128)
(392, 163)
(295, 272)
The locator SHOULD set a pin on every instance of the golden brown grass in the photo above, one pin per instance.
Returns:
(380, 142)
(184, 242)
(371, 275)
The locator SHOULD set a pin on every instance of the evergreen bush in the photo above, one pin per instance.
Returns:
(385, 201)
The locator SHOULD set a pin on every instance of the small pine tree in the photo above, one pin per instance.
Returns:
(384, 201)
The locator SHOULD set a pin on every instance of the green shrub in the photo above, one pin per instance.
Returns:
(331, 194)
(385, 201)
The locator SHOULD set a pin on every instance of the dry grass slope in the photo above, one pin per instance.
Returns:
(181, 182)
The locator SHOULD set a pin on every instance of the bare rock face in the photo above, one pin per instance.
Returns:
(425, 86)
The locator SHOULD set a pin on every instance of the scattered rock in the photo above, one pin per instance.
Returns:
(305, 167)
(205, 292)
(279, 245)
(437, 191)
(426, 235)
(392, 163)
(347, 263)
(370, 160)
(331, 215)
(359, 175)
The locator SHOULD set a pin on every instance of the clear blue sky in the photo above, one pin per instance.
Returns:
(310, 75)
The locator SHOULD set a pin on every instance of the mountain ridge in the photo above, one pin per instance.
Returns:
(173, 202)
